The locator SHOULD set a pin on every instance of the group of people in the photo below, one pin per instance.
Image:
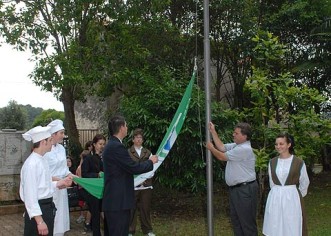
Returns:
(44, 180)
(45, 177)
(284, 214)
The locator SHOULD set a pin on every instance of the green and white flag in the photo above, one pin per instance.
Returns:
(172, 133)
(95, 185)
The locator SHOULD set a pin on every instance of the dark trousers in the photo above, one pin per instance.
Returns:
(118, 222)
(48, 213)
(142, 204)
(94, 205)
(243, 208)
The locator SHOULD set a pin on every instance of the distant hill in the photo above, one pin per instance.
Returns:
(23, 117)
(32, 113)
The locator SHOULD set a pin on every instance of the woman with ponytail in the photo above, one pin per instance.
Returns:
(288, 178)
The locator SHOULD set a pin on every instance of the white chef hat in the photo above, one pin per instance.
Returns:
(56, 125)
(37, 134)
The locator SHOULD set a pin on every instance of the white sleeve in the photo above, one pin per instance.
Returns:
(30, 191)
(303, 181)
(54, 188)
(51, 159)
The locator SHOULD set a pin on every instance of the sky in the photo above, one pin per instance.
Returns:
(15, 83)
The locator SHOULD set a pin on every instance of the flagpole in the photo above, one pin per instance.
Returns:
(209, 160)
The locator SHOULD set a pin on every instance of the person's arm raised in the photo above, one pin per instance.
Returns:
(218, 142)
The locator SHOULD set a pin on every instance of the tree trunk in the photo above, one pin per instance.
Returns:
(74, 148)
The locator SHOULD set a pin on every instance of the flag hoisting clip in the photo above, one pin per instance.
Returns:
(195, 64)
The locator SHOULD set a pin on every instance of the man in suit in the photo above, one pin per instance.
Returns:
(119, 168)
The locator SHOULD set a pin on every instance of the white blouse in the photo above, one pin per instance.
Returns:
(282, 171)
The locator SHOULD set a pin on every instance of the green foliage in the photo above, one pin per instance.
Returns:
(144, 49)
(47, 116)
(278, 105)
(232, 24)
(63, 38)
(13, 116)
(312, 133)
(184, 168)
(153, 112)
(32, 112)
(190, 211)
(268, 50)
(262, 159)
(298, 24)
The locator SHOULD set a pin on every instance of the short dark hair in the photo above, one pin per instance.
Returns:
(37, 144)
(115, 123)
(289, 139)
(137, 132)
(87, 145)
(245, 129)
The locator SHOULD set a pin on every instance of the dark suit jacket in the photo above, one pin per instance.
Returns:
(119, 169)
(91, 166)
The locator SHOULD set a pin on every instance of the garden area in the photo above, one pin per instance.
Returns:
(182, 214)
(270, 67)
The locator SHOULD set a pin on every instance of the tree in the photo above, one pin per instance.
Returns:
(32, 112)
(297, 24)
(233, 23)
(13, 116)
(184, 168)
(59, 34)
(279, 104)
(46, 116)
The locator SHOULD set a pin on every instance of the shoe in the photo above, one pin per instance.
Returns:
(87, 227)
(130, 234)
(150, 234)
(80, 219)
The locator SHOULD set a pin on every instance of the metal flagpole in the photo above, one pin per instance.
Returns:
(209, 160)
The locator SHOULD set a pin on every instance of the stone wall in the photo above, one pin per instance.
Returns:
(90, 114)
(13, 152)
(93, 114)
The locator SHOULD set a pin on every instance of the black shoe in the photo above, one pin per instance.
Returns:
(87, 227)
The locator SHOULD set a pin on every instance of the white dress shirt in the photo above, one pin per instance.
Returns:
(36, 183)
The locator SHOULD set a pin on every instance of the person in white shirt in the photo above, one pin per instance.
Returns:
(240, 176)
(37, 187)
(289, 183)
(57, 161)
(143, 192)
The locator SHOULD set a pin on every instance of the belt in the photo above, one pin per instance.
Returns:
(242, 184)
(46, 201)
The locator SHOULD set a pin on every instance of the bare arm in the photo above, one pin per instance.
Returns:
(41, 225)
(218, 143)
(216, 153)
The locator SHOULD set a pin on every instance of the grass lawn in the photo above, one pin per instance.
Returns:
(318, 205)
(183, 214)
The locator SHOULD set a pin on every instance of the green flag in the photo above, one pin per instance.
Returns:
(95, 185)
(172, 132)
